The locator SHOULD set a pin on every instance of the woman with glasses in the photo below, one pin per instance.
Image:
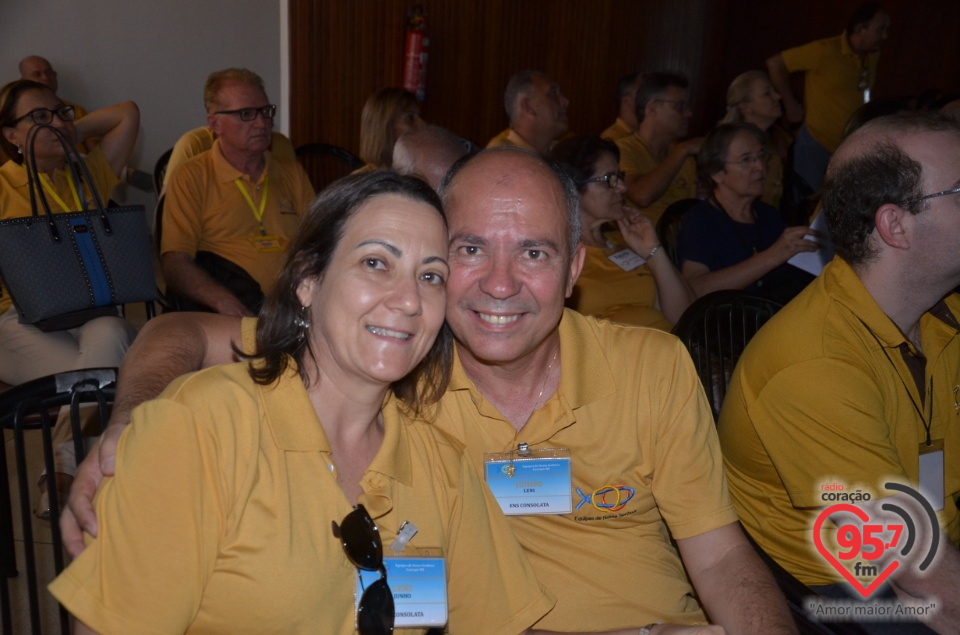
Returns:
(751, 98)
(248, 496)
(732, 240)
(26, 352)
(627, 276)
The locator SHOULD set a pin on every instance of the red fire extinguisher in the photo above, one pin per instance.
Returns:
(415, 53)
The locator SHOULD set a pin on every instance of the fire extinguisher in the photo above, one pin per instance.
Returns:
(415, 53)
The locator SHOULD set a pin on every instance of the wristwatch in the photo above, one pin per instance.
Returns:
(646, 629)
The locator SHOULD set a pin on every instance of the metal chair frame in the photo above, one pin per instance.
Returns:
(29, 407)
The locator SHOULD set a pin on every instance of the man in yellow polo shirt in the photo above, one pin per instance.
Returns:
(854, 383)
(532, 381)
(659, 163)
(537, 111)
(626, 121)
(230, 212)
(838, 73)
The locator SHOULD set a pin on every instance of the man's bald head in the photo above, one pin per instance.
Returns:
(38, 69)
(500, 165)
(875, 166)
(427, 153)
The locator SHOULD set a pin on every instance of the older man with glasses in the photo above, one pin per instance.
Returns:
(230, 212)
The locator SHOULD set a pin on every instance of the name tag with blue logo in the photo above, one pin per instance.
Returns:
(419, 587)
(536, 482)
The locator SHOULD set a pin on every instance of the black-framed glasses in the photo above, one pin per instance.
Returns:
(612, 179)
(361, 542)
(43, 116)
(249, 114)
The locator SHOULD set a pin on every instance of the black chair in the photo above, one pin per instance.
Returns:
(325, 163)
(715, 329)
(160, 171)
(668, 227)
(32, 408)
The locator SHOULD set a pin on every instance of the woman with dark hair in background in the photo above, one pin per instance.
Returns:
(627, 276)
(732, 240)
(232, 504)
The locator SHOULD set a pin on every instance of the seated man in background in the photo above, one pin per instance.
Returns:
(646, 463)
(853, 383)
(230, 212)
(626, 122)
(660, 169)
(537, 111)
(427, 153)
(38, 69)
(201, 139)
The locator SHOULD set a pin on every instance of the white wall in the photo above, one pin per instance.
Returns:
(155, 53)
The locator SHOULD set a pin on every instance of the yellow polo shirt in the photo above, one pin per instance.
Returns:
(631, 410)
(831, 84)
(635, 158)
(510, 138)
(605, 290)
(201, 139)
(15, 194)
(219, 520)
(618, 130)
(822, 395)
(205, 211)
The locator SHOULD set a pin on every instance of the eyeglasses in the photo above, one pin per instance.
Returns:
(749, 160)
(953, 190)
(680, 105)
(361, 542)
(43, 116)
(612, 179)
(249, 114)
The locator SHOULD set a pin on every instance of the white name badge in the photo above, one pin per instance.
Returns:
(537, 482)
(931, 473)
(627, 259)
(419, 587)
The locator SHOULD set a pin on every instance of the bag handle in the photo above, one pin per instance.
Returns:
(73, 160)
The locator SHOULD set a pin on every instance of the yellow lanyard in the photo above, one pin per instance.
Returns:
(257, 213)
(45, 180)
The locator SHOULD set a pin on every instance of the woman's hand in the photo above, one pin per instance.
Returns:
(638, 232)
(793, 241)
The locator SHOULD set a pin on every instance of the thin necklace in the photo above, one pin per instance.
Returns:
(544, 386)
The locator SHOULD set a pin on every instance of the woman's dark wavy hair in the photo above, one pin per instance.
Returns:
(321, 230)
(578, 156)
(712, 158)
(9, 98)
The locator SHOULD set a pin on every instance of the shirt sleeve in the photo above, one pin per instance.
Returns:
(802, 58)
(486, 561)
(697, 239)
(841, 416)
(182, 209)
(689, 484)
(159, 527)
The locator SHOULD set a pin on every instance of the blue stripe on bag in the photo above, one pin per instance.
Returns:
(91, 262)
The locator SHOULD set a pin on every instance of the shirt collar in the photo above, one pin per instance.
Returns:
(225, 173)
(844, 285)
(585, 375)
(293, 423)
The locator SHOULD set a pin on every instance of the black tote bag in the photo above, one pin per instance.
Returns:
(64, 269)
